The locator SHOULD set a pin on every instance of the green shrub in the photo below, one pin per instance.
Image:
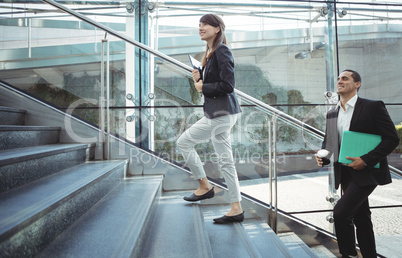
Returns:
(399, 131)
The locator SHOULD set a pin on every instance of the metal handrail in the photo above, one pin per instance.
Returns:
(395, 170)
(187, 68)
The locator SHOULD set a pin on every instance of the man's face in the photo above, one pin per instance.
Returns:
(346, 85)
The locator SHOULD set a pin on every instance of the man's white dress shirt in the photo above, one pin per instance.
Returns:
(345, 116)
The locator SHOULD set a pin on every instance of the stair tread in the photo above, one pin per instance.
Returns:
(10, 109)
(264, 238)
(296, 246)
(28, 128)
(110, 228)
(251, 238)
(12, 116)
(21, 203)
(322, 251)
(178, 229)
(27, 153)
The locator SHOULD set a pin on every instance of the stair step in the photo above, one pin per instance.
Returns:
(12, 116)
(322, 251)
(17, 136)
(296, 246)
(265, 239)
(113, 227)
(178, 230)
(236, 240)
(19, 166)
(34, 214)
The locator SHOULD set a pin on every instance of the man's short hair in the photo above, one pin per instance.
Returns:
(355, 75)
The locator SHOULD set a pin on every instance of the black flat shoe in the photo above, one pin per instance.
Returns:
(195, 198)
(229, 219)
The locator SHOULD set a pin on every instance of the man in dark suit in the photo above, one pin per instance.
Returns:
(360, 178)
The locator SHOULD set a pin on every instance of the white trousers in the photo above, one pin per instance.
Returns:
(218, 130)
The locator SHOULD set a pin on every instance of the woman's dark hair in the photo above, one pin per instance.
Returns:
(215, 21)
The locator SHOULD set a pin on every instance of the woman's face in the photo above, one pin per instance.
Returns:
(207, 32)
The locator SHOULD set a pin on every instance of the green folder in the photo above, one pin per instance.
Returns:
(355, 144)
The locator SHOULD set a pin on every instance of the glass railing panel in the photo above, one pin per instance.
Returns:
(279, 48)
(296, 168)
(251, 151)
(169, 124)
(174, 84)
(57, 58)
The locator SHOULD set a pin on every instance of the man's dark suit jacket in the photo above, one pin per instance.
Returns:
(371, 117)
(218, 84)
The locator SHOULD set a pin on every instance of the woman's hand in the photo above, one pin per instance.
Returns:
(197, 82)
(198, 85)
(196, 75)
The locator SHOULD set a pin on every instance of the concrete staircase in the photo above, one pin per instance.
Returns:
(57, 201)
(47, 186)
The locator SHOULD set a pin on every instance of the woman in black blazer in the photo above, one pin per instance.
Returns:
(220, 114)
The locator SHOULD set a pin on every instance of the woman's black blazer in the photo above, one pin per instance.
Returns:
(218, 84)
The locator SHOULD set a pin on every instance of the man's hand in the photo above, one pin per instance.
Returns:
(357, 163)
(319, 160)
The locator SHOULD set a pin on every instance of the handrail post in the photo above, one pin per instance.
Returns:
(102, 101)
(29, 38)
(273, 203)
(108, 151)
(105, 102)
